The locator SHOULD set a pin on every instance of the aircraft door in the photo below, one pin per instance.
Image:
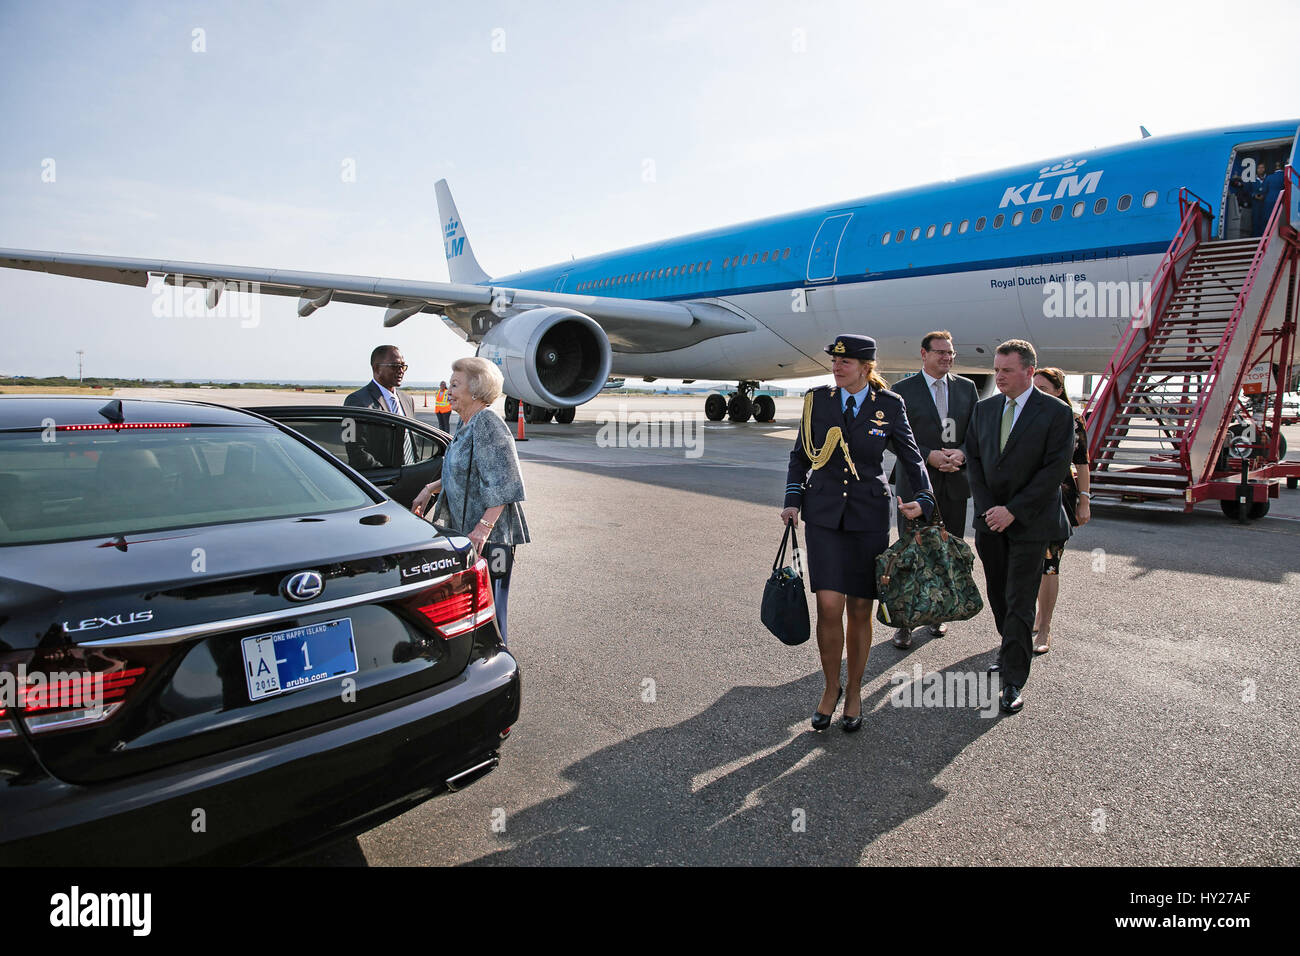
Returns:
(559, 283)
(1294, 208)
(826, 247)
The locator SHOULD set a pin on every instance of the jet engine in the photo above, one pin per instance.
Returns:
(549, 357)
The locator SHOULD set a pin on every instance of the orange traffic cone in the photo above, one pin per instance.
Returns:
(520, 435)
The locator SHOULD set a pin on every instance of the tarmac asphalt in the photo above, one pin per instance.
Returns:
(662, 724)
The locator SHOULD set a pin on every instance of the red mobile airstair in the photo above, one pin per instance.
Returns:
(1190, 408)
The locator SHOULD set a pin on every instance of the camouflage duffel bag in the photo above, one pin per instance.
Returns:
(926, 577)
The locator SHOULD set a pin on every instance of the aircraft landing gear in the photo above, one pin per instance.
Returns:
(537, 414)
(740, 405)
(715, 408)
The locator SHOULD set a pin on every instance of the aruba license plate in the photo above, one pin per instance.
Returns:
(286, 660)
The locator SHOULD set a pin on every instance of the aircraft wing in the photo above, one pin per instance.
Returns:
(633, 325)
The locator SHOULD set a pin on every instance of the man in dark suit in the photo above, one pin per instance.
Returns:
(939, 406)
(1018, 447)
(369, 450)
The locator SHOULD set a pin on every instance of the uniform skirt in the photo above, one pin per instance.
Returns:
(844, 561)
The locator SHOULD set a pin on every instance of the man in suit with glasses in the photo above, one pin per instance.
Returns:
(387, 367)
(939, 406)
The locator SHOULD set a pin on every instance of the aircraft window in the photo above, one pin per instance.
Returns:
(979, 223)
(998, 220)
(765, 254)
(916, 233)
(690, 270)
(1056, 212)
(726, 262)
(708, 265)
(929, 233)
(1149, 200)
(744, 260)
(1099, 206)
(776, 254)
(947, 228)
(963, 226)
(884, 240)
(1077, 211)
(1018, 218)
(1036, 215)
(899, 235)
(1124, 202)
(786, 254)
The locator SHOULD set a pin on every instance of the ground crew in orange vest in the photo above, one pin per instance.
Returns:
(442, 405)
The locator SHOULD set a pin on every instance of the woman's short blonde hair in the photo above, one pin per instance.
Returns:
(481, 376)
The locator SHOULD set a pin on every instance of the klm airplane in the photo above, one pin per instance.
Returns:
(1055, 252)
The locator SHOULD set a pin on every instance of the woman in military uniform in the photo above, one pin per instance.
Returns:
(836, 478)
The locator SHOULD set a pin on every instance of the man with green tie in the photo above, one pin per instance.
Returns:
(1018, 449)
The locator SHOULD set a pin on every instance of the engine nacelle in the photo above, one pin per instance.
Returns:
(553, 357)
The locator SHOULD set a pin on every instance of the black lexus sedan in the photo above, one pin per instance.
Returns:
(219, 644)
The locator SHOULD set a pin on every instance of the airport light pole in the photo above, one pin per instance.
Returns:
(80, 353)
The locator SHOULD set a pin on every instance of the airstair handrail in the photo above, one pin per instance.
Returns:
(1216, 366)
(1291, 203)
(1196, 213)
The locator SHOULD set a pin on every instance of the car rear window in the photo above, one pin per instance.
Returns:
(57, 485)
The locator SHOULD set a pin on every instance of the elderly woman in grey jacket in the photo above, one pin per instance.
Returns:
(480, 490)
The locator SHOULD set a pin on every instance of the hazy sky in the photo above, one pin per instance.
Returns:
(225, 133)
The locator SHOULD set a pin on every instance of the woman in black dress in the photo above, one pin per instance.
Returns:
(836, 478)
(1074, 488)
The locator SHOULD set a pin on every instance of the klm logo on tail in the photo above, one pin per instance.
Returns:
(1069, 184)
(453, 246)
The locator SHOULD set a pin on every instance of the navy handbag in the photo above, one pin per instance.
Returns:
(785, 605)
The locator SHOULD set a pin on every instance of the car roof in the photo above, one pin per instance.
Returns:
(32, 411)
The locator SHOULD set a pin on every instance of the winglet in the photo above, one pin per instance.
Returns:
(461, 264)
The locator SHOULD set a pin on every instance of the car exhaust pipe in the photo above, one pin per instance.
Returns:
(463, 779)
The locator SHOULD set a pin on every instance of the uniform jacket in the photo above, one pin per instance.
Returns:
(928, 430)
(481, 471)
(831, 495)
(1026, 476)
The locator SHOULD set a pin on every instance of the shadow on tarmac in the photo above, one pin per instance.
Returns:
(735, 784)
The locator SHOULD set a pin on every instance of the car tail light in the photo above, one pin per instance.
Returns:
(59, 699)
(461, 604)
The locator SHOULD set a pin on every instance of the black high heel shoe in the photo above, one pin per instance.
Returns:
(821, 721)
(850, 724)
